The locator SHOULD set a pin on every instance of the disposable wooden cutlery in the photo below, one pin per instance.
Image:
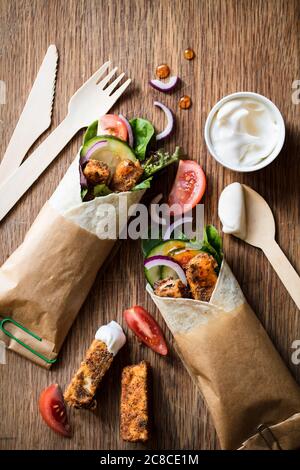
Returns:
(261, 233)
(35, 117)
(91, 101)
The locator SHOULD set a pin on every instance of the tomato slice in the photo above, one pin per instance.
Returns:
(111, 124)
(188, 188)
(53, 410)
(146, 329)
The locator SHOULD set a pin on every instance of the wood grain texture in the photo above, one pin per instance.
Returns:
(240, 45)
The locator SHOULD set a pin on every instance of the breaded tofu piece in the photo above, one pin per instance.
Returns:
(81, 391)
(170, 288)
(126, 175)
(201, 276)
(135, 403)
(96, 172)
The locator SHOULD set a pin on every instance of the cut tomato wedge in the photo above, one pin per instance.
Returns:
(111, 124)
(53, 410)
(146, 329)
(188, 188)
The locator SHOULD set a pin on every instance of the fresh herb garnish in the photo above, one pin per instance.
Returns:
(159, 160)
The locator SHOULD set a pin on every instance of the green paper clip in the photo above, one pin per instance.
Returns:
(7, 333)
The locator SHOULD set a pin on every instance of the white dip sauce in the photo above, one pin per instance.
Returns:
(112, 335)
(232, 211)
(243, 132)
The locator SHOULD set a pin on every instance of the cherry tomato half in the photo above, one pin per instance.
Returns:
(111, 124)
(188, 188)
(146, 329)
(53, 410)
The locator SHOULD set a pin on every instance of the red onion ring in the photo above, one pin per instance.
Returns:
(154, 261)
(129, 130)
(170, 121)
(165, 87)
(83, 180)
(175, 224)
(96, 146)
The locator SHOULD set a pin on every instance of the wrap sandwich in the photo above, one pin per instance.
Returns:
(44, 283)
(253, 399)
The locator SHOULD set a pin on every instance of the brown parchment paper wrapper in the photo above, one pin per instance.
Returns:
(235, 365)
(44, 283)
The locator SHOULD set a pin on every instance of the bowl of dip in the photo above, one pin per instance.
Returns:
(244, 131)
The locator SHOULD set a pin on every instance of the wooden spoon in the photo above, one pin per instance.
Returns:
(261, 233)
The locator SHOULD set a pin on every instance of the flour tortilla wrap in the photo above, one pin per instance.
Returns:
(239, 372)
(44, 283)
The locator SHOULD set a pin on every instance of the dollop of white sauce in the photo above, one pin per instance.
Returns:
(112, 335)
(232, 210)
(243, 132)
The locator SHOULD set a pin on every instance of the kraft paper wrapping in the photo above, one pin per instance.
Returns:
(235, 365)
(44, 283)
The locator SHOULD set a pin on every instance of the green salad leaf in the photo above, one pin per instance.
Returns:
(101, 190)
(143, 132)
(84, 192)
(91, 132)
(159, 160)
(211, 243)
(143, 185)
(211, 236)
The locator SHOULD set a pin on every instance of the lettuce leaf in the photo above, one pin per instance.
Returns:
(211, 243)
(84, 192)
(101, 190)
(143, 132)
(212, 237)
(143, 185)
(91, 132)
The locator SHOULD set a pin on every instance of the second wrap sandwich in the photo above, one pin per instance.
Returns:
(253, 399)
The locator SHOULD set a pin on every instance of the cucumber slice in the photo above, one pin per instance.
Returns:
(162, 272)
(153, 274)
(168, 272)
(165, 248)
(112, 154)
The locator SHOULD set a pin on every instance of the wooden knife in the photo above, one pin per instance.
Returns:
(35, 118)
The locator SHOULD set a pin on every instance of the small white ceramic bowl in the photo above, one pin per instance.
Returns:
(277, 114)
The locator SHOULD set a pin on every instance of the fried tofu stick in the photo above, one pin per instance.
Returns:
(81, 391)
(170, 288)
(201, 276)
(135, 403)
(126, 175)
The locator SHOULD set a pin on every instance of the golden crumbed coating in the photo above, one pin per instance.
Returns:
(126, 175)
(135, 403)
(81, 391)
(170, 288)
(96, 172)
(201, 276)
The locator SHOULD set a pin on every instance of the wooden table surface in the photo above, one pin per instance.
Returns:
(239, 45)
